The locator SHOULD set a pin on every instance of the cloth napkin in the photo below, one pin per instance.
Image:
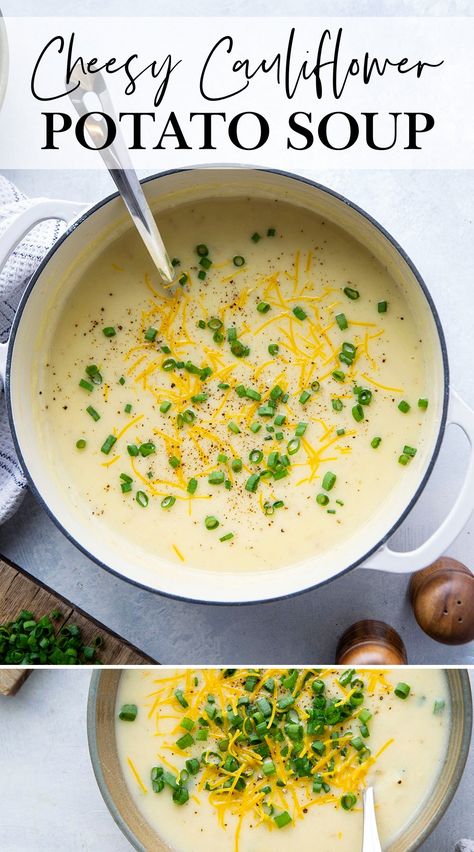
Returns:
(14, 277)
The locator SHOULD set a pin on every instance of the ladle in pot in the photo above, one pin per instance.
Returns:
(118, 162)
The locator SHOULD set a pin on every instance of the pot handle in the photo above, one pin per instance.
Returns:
(396, 562)
(38, 211)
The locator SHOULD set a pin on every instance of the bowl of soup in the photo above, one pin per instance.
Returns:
(252, 760)
(254, 430)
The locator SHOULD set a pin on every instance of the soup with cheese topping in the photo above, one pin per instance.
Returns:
(268, 759)
(257, 413)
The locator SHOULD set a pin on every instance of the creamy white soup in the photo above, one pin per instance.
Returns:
(268, 760)
(253, 415)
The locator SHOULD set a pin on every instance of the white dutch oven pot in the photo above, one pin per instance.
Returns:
(39, 311)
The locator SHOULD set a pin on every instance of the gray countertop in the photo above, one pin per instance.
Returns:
(48, 795)
(430, 214)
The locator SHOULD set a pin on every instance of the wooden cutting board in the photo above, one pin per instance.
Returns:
(12, 679)
(19, 590)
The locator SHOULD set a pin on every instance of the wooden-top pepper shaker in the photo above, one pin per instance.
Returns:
(370, 642)
(442, 597)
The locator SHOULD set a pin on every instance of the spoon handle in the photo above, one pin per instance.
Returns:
(119, 164)
(370, 842)
(128, 185)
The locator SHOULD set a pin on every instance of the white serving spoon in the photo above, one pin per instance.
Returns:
(119, 164)
(370, 839)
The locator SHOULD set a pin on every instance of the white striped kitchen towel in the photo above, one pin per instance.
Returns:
(14, 277)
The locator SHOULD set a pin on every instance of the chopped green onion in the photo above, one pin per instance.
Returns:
(255, 456)
(179, 695)
(238, 260)
(409, 451)
(205, 262)
(263, 307)
(273, 349)
(338, 375)
(165, 406)
(348, 801)
(150, 334)
(192, 486)
(168, 502)
(382, 307)
(201, 274)
(108, 444)
(299, 313)
(147, 449)
(186, 741)
(252, 482)
(81, 444)
(174, 462)
(239, 349)
(216, 477)
(283, 819)
(255, 237)
(168, 364)
(337, 404)
(322, 499)
(271, 232)
(250, 393)
(301, 429)
(202, 250)
(93, 413)
(329, 481)
(199, 397)
(358, 413)
(128, 408)
(423, 403)
(375, 442)
(227, 536)
(86, 385)
(121, 380)
(351, 293)
(404, 406)
(128, 712)
(364, 396)
(402, 690)
(403, 459)
(189, 416)
(293, 446)
(304, 396)
(211, 523)
(141, 499)
(255, 427)
(132, 450)
(233, 427)
(109, 331)
(341, 321)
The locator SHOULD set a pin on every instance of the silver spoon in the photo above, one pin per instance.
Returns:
(119, 164)
(370, 840)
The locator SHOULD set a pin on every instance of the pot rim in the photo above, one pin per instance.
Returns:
(421, 283)
(464, 749)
